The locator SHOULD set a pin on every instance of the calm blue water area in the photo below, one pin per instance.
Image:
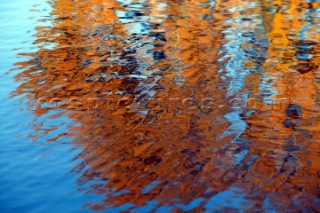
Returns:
(34, 177)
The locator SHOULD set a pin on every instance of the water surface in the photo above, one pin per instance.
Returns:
(160, 106)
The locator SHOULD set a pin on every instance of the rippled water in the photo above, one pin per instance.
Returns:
(160, 106)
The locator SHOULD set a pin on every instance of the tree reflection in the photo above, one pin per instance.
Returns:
(134, 76)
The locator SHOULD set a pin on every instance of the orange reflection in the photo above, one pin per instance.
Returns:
(150, 88)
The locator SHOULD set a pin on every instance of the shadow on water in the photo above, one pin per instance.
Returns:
(183, 105)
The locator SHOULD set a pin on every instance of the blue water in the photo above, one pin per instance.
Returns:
(34, 178)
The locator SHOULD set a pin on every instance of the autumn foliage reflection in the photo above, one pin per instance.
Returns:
(138, 57)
